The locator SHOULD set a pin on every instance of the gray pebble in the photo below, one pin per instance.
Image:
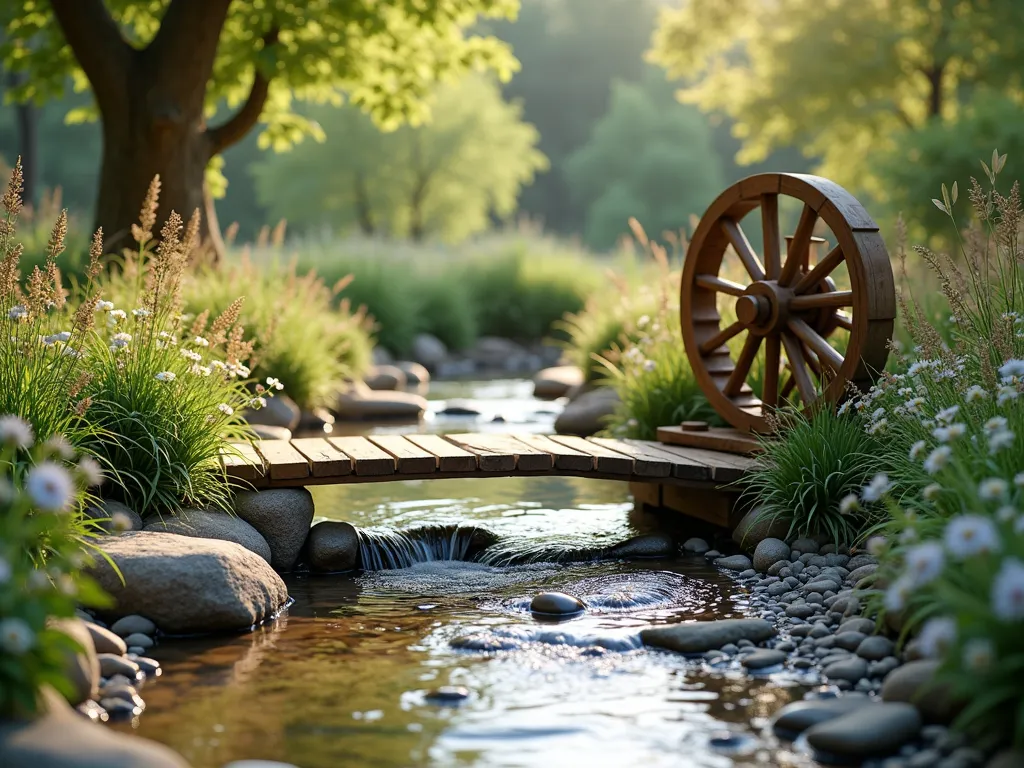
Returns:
(851, 670)
(875, 648)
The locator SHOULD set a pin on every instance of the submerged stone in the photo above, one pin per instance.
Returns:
(734, 562)
(556, 604)
(878, 729)
(447, 694)
(701, 636)
(647, 545)
(696, 546)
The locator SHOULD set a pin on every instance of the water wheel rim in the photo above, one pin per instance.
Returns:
(867, 262)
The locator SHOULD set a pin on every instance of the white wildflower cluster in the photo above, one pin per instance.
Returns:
(18, 313)
(119, 342)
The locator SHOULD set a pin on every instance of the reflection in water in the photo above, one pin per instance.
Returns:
(341, 679)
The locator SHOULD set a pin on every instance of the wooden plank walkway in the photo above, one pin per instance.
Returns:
(383, 458)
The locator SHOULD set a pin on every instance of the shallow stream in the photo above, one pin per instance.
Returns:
(343, 679)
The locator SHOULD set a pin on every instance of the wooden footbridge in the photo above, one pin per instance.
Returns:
(797, 335)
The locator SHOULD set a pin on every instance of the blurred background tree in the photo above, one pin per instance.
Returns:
(445, 178)
(648, 157)
(157, 69)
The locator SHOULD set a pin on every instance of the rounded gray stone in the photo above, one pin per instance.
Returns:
(701, 636)
(282, 516)
(111, 664)
(878, 729)
(805, 546)
(734, 562)
(793, 719)
(103, 639)
(851, 670)
(332, 547)
(763, 658)
(138, 640)
(696, 546)
(206, 524)
(556, 604)
(130, 625)
(875, 648)
(915, 683)
(857, 624)
(850, 641)
(769, 552)
(646, 545)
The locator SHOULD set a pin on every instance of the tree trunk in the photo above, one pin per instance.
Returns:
(27, 120)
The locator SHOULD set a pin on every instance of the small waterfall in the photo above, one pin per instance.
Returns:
(383, 549)
(530, 551)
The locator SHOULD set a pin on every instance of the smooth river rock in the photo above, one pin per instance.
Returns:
(878, 729)
(701, 636)
(875, 648)
(188, 585)
(793, 719)
(552, 383)
(588, 413)
(64, 739)
(734, 562)
(914, 683)
(696, 546)
(556, 604)
(132, 625)
(103, 640)
(332, 546)
(768, 552)
(763, 659)
(282, 516)
(206, 524)
(851, 669)
(81, 666)
(647, 545)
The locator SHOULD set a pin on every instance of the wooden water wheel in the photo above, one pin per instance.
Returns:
(801, 328)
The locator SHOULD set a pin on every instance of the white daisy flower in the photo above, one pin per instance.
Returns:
(17, 312)
(91, 471)
(936, 637)
(1011, 368)
(996, 424)
(16, 432)
(1005, 395)
(950, 433)
(925, 562)
(50, 487)
(199, 341)
(914, 405)
(16, 637)
(877, 545)
(917, 450)
(849, 504)
(844, 408)
(978, 654)
(1008, 591)
(877, 488)
(969, 535)
(200, 370)
(937, 459)
(274, 383)
(931, 492)
(999, 441)
(114, 316)
(225, 409)
(258, 402)
(878, 426)
(877, 414)
(993, 488)
(898, 593)
(166, 376)
(63, 337)
(947, 414)
(975, 393)
(217, 365)
(104, 306)
(188, 354)
(904, 391)
(243, 371)
(1006, 513)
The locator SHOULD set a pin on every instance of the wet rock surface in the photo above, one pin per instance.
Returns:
(877, 729)
(556, 604)
(700, 636)
(212, 525)
(332, 547)
(282, 516)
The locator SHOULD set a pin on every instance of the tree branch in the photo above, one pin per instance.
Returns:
(98, 46)
(237, 126)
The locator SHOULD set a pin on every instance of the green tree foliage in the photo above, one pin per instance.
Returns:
(648, 157)
(159, 68)
(571, 51)
(444, 178)
(845, 81)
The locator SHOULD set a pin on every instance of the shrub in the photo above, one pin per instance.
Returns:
(40, 561)
(300, 336)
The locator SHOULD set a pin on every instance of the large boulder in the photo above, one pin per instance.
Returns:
(204, 524)
(874, 730)
(280, 411)
(61, 738)
(429, 350)
(768, 552)
(385, 378)
(495, 353)
(588, 413)
(417, 377)
(82, 666)
(357, 402)
(702, 636)
(282, 516)
(754, 527)
(188, 585)
(552, 383)
(332, 546)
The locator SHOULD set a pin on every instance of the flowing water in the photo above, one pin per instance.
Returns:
(345, 677)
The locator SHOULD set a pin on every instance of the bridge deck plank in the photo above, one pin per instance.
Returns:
(607, 460)
(564, 456)
(324, 459)
(283, 462)
(409, 457)
(450, 458)
(367, 458)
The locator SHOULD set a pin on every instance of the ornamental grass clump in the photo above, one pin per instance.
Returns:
(41, 557)
(42, 372)
(647, 365)
(166, 394)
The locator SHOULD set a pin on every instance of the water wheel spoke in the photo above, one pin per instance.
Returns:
(844, 320)
(816, 343)
(741, 245)
(788, 387)
(800, 246)
(822, 300)
(772, 359)
(721, 338)
(770, 227)
(743, 363)
(720, 284)
(798, 367)
(821, 270)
